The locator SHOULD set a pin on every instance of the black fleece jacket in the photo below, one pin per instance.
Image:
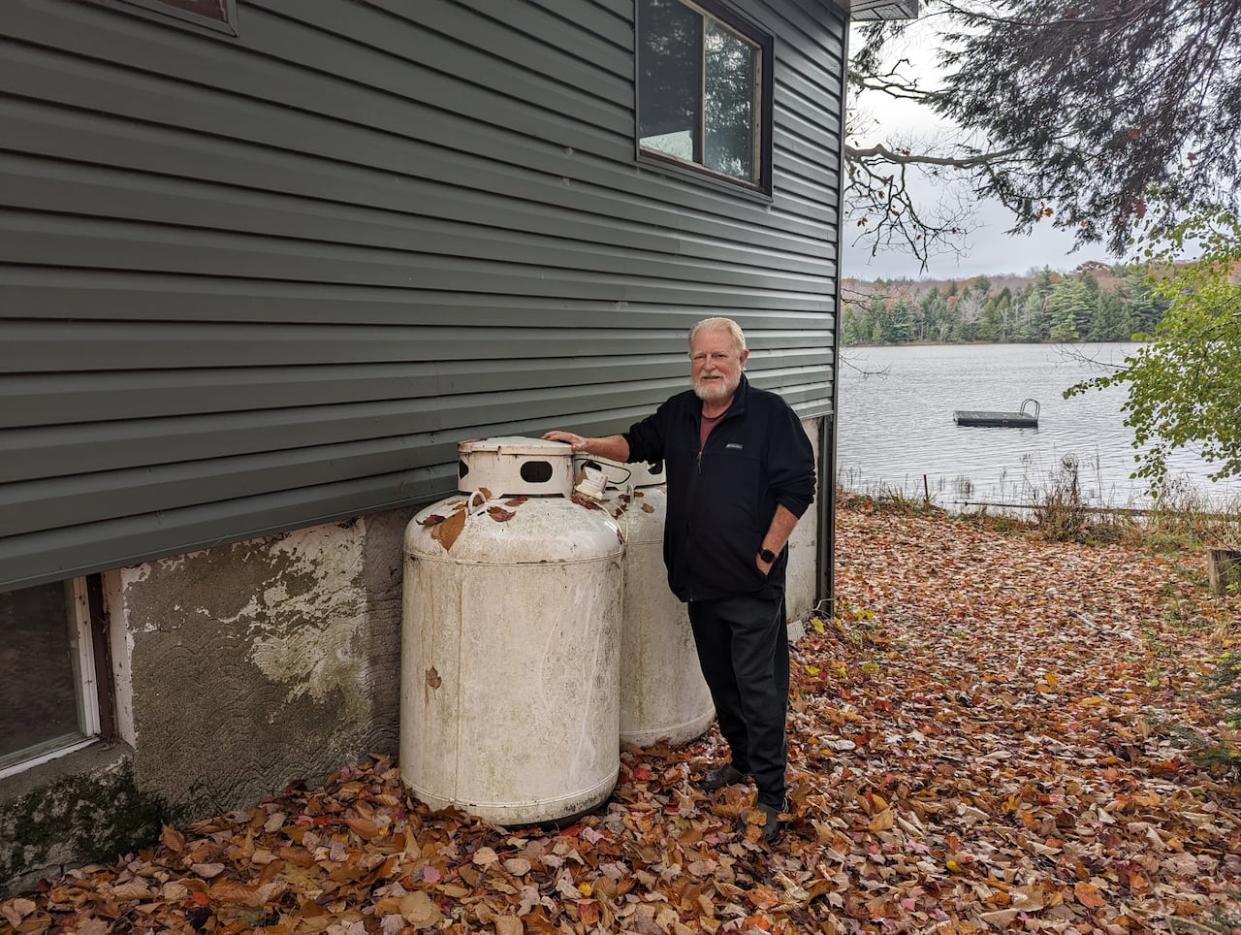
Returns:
(721, 500)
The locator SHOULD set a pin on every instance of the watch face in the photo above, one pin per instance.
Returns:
(767, 555)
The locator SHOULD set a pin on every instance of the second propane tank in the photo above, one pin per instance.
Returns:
(662, 691)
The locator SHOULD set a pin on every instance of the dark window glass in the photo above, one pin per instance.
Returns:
(731, 66)
(212, 9)
(699, 89)
(38, 683)
(669, 98)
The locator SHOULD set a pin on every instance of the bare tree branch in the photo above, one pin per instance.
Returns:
(881, 153)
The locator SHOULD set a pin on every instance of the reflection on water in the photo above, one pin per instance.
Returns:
(897, 426)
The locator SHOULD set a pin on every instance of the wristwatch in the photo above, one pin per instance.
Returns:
(767, 555)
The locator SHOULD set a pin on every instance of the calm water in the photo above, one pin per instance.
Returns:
(897, 426)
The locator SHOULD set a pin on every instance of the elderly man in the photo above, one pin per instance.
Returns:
(740, 473)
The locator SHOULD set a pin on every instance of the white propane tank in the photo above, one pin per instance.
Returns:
(510, 644)
(663, 694)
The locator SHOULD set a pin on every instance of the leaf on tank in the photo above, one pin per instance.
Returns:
(647, 508)
(515, 501)
(446, 533)
(485, 492)
(499, 514)
(586, 502)
(433, 520)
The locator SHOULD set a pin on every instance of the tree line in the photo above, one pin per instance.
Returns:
(1099, 303)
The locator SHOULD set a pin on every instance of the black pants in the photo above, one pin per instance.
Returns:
(743, 649)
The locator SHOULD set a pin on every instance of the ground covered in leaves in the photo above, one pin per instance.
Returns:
(989, 739)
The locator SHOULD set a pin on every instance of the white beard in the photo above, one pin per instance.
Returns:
(715, 390)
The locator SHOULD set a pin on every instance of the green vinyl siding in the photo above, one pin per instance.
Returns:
(253, 283)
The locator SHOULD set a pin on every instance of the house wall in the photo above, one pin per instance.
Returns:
(254, 283)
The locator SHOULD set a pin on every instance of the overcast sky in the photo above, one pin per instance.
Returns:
(987, 248)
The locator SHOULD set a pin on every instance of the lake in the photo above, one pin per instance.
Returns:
(896, 425)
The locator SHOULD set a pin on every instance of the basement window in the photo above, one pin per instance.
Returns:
(704, 91)
(49, 678)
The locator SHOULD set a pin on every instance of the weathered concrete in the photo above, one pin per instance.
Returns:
(82, 807)
(237, 669)
(803, 547)
(264, 661)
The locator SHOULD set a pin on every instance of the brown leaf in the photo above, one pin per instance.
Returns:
(763, 897)
(516, 501)
(517, 866)
(484, 857)
(509, 925)
(883, 821)
(446, 533)
(208, 871)
(586, 502)
(172, 839)
(647, 508)
(233, 891)
(1088, 895)
(363, 828)
(433, 520)
(17, 909)
(134, 889)
(499, 514)
(433, 678)
(419, 911)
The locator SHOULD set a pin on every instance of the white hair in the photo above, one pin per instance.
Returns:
(722, 324)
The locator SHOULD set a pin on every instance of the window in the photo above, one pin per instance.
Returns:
(219, 15)
(49, 688)
(704, 91)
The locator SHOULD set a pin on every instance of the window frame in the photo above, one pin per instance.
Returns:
(162, 11)
(91, 670)
(752, 34)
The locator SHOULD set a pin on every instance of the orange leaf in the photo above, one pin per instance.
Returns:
(1088, 895)
(433, 520)
(499, 514)
(446, 533)
(363, 828)
(764, 897)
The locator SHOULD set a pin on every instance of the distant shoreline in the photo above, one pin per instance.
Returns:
(982, 343)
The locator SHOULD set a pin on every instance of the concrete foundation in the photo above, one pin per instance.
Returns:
(237, 669)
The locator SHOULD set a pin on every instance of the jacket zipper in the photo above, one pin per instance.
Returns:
(693, 498)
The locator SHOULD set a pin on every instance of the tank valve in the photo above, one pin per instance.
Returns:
(592, 482)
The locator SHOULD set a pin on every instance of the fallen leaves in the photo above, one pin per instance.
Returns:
(950, 768)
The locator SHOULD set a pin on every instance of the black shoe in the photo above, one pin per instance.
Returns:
(726, 775)
(770, 827)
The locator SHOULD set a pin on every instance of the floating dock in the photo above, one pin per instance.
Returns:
(1008, 420)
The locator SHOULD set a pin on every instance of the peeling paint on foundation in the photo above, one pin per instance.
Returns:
(309, 637)
(264, 661)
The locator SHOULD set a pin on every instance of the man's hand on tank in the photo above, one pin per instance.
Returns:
(576, 442)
